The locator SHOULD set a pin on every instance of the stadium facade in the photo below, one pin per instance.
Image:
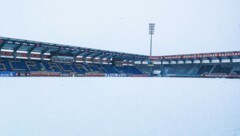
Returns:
(30, 58)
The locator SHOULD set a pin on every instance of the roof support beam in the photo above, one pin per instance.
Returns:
(231, 59)
(95, 56)
(220, 59)
(210, 60)
(201, 60)
(1, 45)
(29, 52)
(15, 51)
(77, 54)
(42, 53)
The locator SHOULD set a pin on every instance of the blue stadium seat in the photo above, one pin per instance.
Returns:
(129, 70)
(79, 68)
(21, 65)
(52, 67)
(66, 67)
(110, 69)
(18, 65)
(33, 65)
(2, 65)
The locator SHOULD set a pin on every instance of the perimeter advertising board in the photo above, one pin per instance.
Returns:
(7, 74)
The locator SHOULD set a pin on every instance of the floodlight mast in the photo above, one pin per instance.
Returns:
(151, 33)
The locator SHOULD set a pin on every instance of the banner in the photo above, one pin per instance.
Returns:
(45, 74)
(7, 74)
(94, 74)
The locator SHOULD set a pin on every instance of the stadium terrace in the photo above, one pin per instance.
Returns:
(30, 58)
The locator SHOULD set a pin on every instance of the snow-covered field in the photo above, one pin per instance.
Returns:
(119, 107)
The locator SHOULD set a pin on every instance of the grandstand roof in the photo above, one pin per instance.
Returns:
(65, 50)
(68, 50)
(200, 56)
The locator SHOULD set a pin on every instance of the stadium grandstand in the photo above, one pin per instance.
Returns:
(30, 58)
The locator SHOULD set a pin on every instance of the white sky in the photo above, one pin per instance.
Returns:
(182, 26)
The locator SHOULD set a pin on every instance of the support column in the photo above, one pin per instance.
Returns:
(220, 60)
(75, 59)
(184, 61)
(42, 56)
(84, 59)
(192, 61)
(14, 54)
(1, 44)
(29, 52)
(210, 60)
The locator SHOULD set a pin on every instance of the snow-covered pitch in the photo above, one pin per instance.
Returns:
(119, 107)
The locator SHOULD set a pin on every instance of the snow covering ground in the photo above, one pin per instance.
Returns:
(119, 107)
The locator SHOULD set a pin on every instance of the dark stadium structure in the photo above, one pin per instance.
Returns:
(30, 58)
(221, 64)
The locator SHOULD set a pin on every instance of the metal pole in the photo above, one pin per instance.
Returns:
(151, 33)
(151, 46)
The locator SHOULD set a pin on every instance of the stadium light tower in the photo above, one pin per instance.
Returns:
(151, 33)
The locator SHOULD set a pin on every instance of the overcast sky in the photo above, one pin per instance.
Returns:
(182, 26)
